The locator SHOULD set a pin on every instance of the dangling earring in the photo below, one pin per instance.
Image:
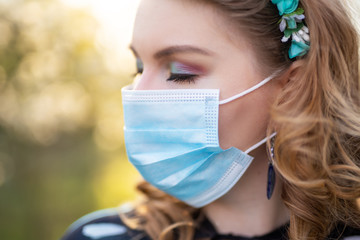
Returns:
(271, 179)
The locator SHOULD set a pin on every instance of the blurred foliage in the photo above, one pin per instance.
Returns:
(61, 141)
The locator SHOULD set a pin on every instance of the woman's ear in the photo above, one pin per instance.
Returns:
(291, 73)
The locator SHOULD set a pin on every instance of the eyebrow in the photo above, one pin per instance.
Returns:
(166, 52)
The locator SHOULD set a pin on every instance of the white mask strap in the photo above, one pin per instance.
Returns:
(260, 143)
(247, 91)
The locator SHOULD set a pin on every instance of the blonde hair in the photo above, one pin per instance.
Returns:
(317, 118)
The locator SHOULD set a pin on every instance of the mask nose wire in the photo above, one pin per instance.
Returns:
(253, 88)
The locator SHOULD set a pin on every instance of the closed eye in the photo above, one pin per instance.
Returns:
(183, 73)
(183, 78)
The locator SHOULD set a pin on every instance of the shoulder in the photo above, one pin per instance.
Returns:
(102, 225)
(345, 233)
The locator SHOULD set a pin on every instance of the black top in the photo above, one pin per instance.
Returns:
(107, 225)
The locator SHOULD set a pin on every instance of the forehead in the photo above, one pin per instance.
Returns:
(162, 23)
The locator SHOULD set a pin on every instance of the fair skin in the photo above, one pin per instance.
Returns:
(169, 34)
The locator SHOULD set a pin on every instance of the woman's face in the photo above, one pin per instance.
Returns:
(182, 44)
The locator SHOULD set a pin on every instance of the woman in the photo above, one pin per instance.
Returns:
(219, 78)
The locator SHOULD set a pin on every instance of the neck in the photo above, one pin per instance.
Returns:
(245, 209)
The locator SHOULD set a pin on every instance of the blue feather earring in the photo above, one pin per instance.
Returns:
(271, 179)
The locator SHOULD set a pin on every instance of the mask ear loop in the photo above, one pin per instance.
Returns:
(260, 143)
(253, 88)
(271, 172)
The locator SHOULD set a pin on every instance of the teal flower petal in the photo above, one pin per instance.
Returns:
(291, 23)
(298, 49)
(286, 6)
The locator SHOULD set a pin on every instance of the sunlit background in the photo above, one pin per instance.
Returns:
(62, 66)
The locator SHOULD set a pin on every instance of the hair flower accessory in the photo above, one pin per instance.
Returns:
(292, 25)
(286, 6)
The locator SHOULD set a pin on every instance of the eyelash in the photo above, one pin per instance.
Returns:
(182, 78)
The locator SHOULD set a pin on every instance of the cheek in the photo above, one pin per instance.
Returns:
(243, 122)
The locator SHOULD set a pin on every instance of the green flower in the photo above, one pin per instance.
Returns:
(286, 6)
(298, 49)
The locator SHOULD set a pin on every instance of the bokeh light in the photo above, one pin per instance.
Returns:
(62, 66)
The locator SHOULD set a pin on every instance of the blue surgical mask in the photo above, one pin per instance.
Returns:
(171, 137)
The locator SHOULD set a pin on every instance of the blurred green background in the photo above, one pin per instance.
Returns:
(62, 66)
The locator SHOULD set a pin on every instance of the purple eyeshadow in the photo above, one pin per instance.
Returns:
(179, 68)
